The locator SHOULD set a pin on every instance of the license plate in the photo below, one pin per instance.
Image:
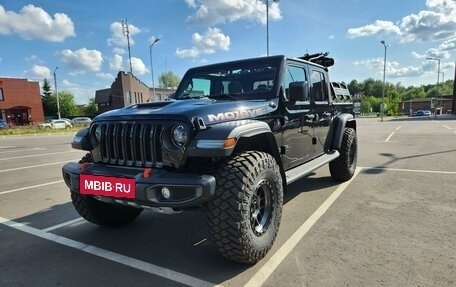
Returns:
(119, 187)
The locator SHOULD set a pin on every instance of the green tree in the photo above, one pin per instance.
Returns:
(46, 88)
(168, 79)
(90, 109)
(67, 105)
(392, 100)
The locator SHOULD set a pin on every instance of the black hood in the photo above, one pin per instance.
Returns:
(186, 110)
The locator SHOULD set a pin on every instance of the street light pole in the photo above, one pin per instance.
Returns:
(152, 67)
(267, 25)
(438, 79)
(441, 94)
(56, 93)
(384, 73)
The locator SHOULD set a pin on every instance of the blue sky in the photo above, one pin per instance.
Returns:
(85, 40)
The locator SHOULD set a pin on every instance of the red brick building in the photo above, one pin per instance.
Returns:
(20, 101)
(128, 90)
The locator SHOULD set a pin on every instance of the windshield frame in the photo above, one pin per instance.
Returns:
(250, 73)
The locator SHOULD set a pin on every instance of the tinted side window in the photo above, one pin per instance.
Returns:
(319, 89)
(294, 74)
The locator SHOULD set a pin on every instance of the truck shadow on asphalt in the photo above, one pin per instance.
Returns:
(177, 242)
(393, 159)
(308, 184)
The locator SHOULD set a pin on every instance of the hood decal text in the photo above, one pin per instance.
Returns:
(236, 115)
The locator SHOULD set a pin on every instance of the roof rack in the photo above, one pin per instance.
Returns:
(319, 58)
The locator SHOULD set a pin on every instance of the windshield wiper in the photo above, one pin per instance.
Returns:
(188, 97)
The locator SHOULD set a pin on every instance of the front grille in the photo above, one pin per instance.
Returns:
(130, 143)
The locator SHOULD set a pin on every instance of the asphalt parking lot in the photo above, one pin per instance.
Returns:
(393, 224)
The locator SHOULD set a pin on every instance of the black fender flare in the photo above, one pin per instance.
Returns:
(210, 142)
(248, 134)
(82, 140)
(336, 131)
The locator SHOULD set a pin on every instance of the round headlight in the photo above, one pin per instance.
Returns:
(98, 133)
(179, 135)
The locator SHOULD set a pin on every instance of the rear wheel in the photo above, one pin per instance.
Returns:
(343, 168)
(244, 216)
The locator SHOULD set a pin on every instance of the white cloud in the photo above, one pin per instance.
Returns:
(118, 37)
(436, 23)
(120, 63)
(213, 40)
(81, 93)
(449, 44)
(393, 69)
(433, 52)
(35, 23)
(116, 62)
(138, 66)
(436, 53)
(31, 58)
(38, 72)
(418, 55)
(117, 50)
(105, 76)
(379, 26)
(427, 25)
(81, 60)
(209, 12)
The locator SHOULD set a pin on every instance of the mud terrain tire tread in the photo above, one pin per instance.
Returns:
(229, 213)
(343, 168)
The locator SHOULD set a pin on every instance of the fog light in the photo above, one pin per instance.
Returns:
(166, 192)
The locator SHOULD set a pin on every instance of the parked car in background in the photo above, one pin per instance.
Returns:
(4, 124)
(419, 113)
(81, 121)
(427, 113)
(68, 122)
(53, 124)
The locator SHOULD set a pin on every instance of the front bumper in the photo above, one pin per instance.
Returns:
(186, 190)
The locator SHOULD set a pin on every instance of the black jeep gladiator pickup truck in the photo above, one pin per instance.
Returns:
(227, 142)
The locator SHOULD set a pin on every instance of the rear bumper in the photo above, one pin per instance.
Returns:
(186, 190)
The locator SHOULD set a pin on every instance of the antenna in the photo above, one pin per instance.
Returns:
(126, 32)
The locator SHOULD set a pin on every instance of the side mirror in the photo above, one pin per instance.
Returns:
(299, 91)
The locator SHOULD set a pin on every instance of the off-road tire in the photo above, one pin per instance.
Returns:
(343, 168)
(102, 213)
(244, 216)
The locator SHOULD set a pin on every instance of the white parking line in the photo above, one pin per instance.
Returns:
(30, 187)
(410, 170)
(398, 128)
(35, 155)
(76, 220)
(268, 268)
(109, 255)
(38, 165)
(7, 146)
(389, 137)
(447, 127)
(21, 150)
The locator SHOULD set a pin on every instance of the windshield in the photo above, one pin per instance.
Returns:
(233, 81)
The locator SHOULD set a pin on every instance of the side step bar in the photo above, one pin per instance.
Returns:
(306, 168)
